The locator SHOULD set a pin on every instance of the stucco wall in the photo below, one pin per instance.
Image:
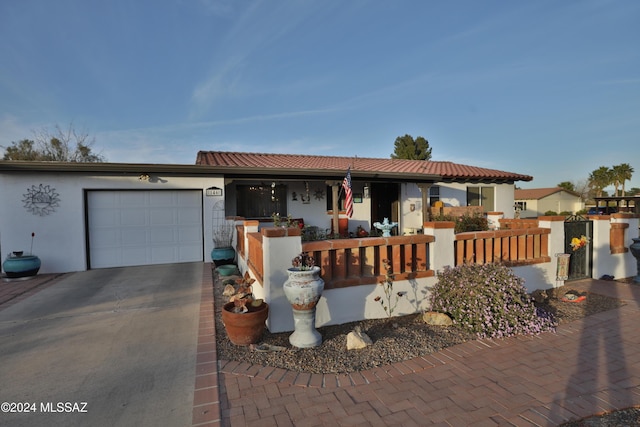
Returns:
(60, 235)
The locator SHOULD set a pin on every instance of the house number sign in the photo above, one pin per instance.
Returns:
(214, 191)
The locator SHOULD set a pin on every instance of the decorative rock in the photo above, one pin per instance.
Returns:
(437, 319)
(357, 339)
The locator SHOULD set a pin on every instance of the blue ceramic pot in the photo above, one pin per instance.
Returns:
(21, 266)
(223, 256)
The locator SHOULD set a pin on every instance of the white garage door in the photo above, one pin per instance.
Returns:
(144, 227)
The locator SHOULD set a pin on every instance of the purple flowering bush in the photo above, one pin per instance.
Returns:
(488, 300)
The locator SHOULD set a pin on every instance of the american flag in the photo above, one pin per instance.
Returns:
(348, 194)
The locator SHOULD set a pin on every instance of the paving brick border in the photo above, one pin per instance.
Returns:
(206, 395)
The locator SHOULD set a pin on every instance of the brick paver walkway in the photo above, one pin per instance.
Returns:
(588, 366)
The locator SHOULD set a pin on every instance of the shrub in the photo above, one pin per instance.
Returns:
(473, 222)
(467, 222)
(488, 300)
(550, 213)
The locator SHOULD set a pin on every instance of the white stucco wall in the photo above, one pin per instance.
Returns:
(456, 195)
(60, 240)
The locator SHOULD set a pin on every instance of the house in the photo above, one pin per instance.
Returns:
(534, 202)
(100, 215)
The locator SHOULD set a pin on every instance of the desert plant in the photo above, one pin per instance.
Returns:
(287, 221)
(303, 262)
(390, 299)
(241, 295)
(488, 300)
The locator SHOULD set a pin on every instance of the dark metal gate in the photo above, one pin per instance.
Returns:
(581, 260)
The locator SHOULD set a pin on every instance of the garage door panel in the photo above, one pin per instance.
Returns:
(190, 216)
(132, 237)
(131, 198)
(144, 227)
(187, 253)
(190, 235)
(162, 235)
(163, 255)
(163, 216)
(105, 218)
(132, 217)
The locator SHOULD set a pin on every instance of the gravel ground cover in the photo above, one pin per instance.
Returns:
(395, 339)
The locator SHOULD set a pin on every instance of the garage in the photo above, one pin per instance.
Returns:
(137, 227)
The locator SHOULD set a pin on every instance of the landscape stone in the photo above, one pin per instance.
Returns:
(437, 319)
(357, 339)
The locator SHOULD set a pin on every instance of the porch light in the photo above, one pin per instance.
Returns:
(365, 190)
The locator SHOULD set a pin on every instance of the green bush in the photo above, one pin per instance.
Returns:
(466, 222)
(488, 300)
(550, 213)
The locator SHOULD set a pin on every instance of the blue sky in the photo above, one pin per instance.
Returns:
(545, 88)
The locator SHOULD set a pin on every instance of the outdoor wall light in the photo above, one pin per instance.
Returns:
(365, 190)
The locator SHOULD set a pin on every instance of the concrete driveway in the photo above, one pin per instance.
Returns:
(111, 347)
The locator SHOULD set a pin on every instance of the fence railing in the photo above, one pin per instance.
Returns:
(255, 259)
(360, 261)
(511, 247)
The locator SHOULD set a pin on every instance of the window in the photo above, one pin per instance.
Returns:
(521, 206)
(261, 201)
(434, 194)
(481, 196)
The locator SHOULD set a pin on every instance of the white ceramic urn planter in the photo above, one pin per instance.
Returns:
(303, 290)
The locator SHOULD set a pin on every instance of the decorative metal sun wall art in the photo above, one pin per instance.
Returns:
(41, 200)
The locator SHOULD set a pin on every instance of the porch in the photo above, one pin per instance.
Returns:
(352, 268)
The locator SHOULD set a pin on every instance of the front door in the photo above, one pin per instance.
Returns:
(384, 203)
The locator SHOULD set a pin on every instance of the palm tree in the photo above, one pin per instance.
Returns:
(600, 178)
(620, 174)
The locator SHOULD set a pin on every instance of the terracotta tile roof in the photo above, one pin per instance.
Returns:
(360, 166)
(539, 193)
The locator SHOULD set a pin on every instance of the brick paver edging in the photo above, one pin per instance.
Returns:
(206, 395)
(369, 376)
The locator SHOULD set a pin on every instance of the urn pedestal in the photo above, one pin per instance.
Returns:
(303, 290)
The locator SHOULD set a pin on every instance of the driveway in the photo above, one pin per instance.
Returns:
(110, 347)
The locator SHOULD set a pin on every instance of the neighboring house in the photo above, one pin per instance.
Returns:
(534, 202)
(99, 215)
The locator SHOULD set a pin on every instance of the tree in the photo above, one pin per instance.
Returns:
(634, 191)
(621, 173)
(582, 188)
(599, 179)
(61, 146)
(567, 185)
(408, 148)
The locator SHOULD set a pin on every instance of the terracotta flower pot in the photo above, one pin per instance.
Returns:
(245, 328)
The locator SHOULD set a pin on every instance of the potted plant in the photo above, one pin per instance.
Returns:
(243, 316)
(223, 253)
(303, 290)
